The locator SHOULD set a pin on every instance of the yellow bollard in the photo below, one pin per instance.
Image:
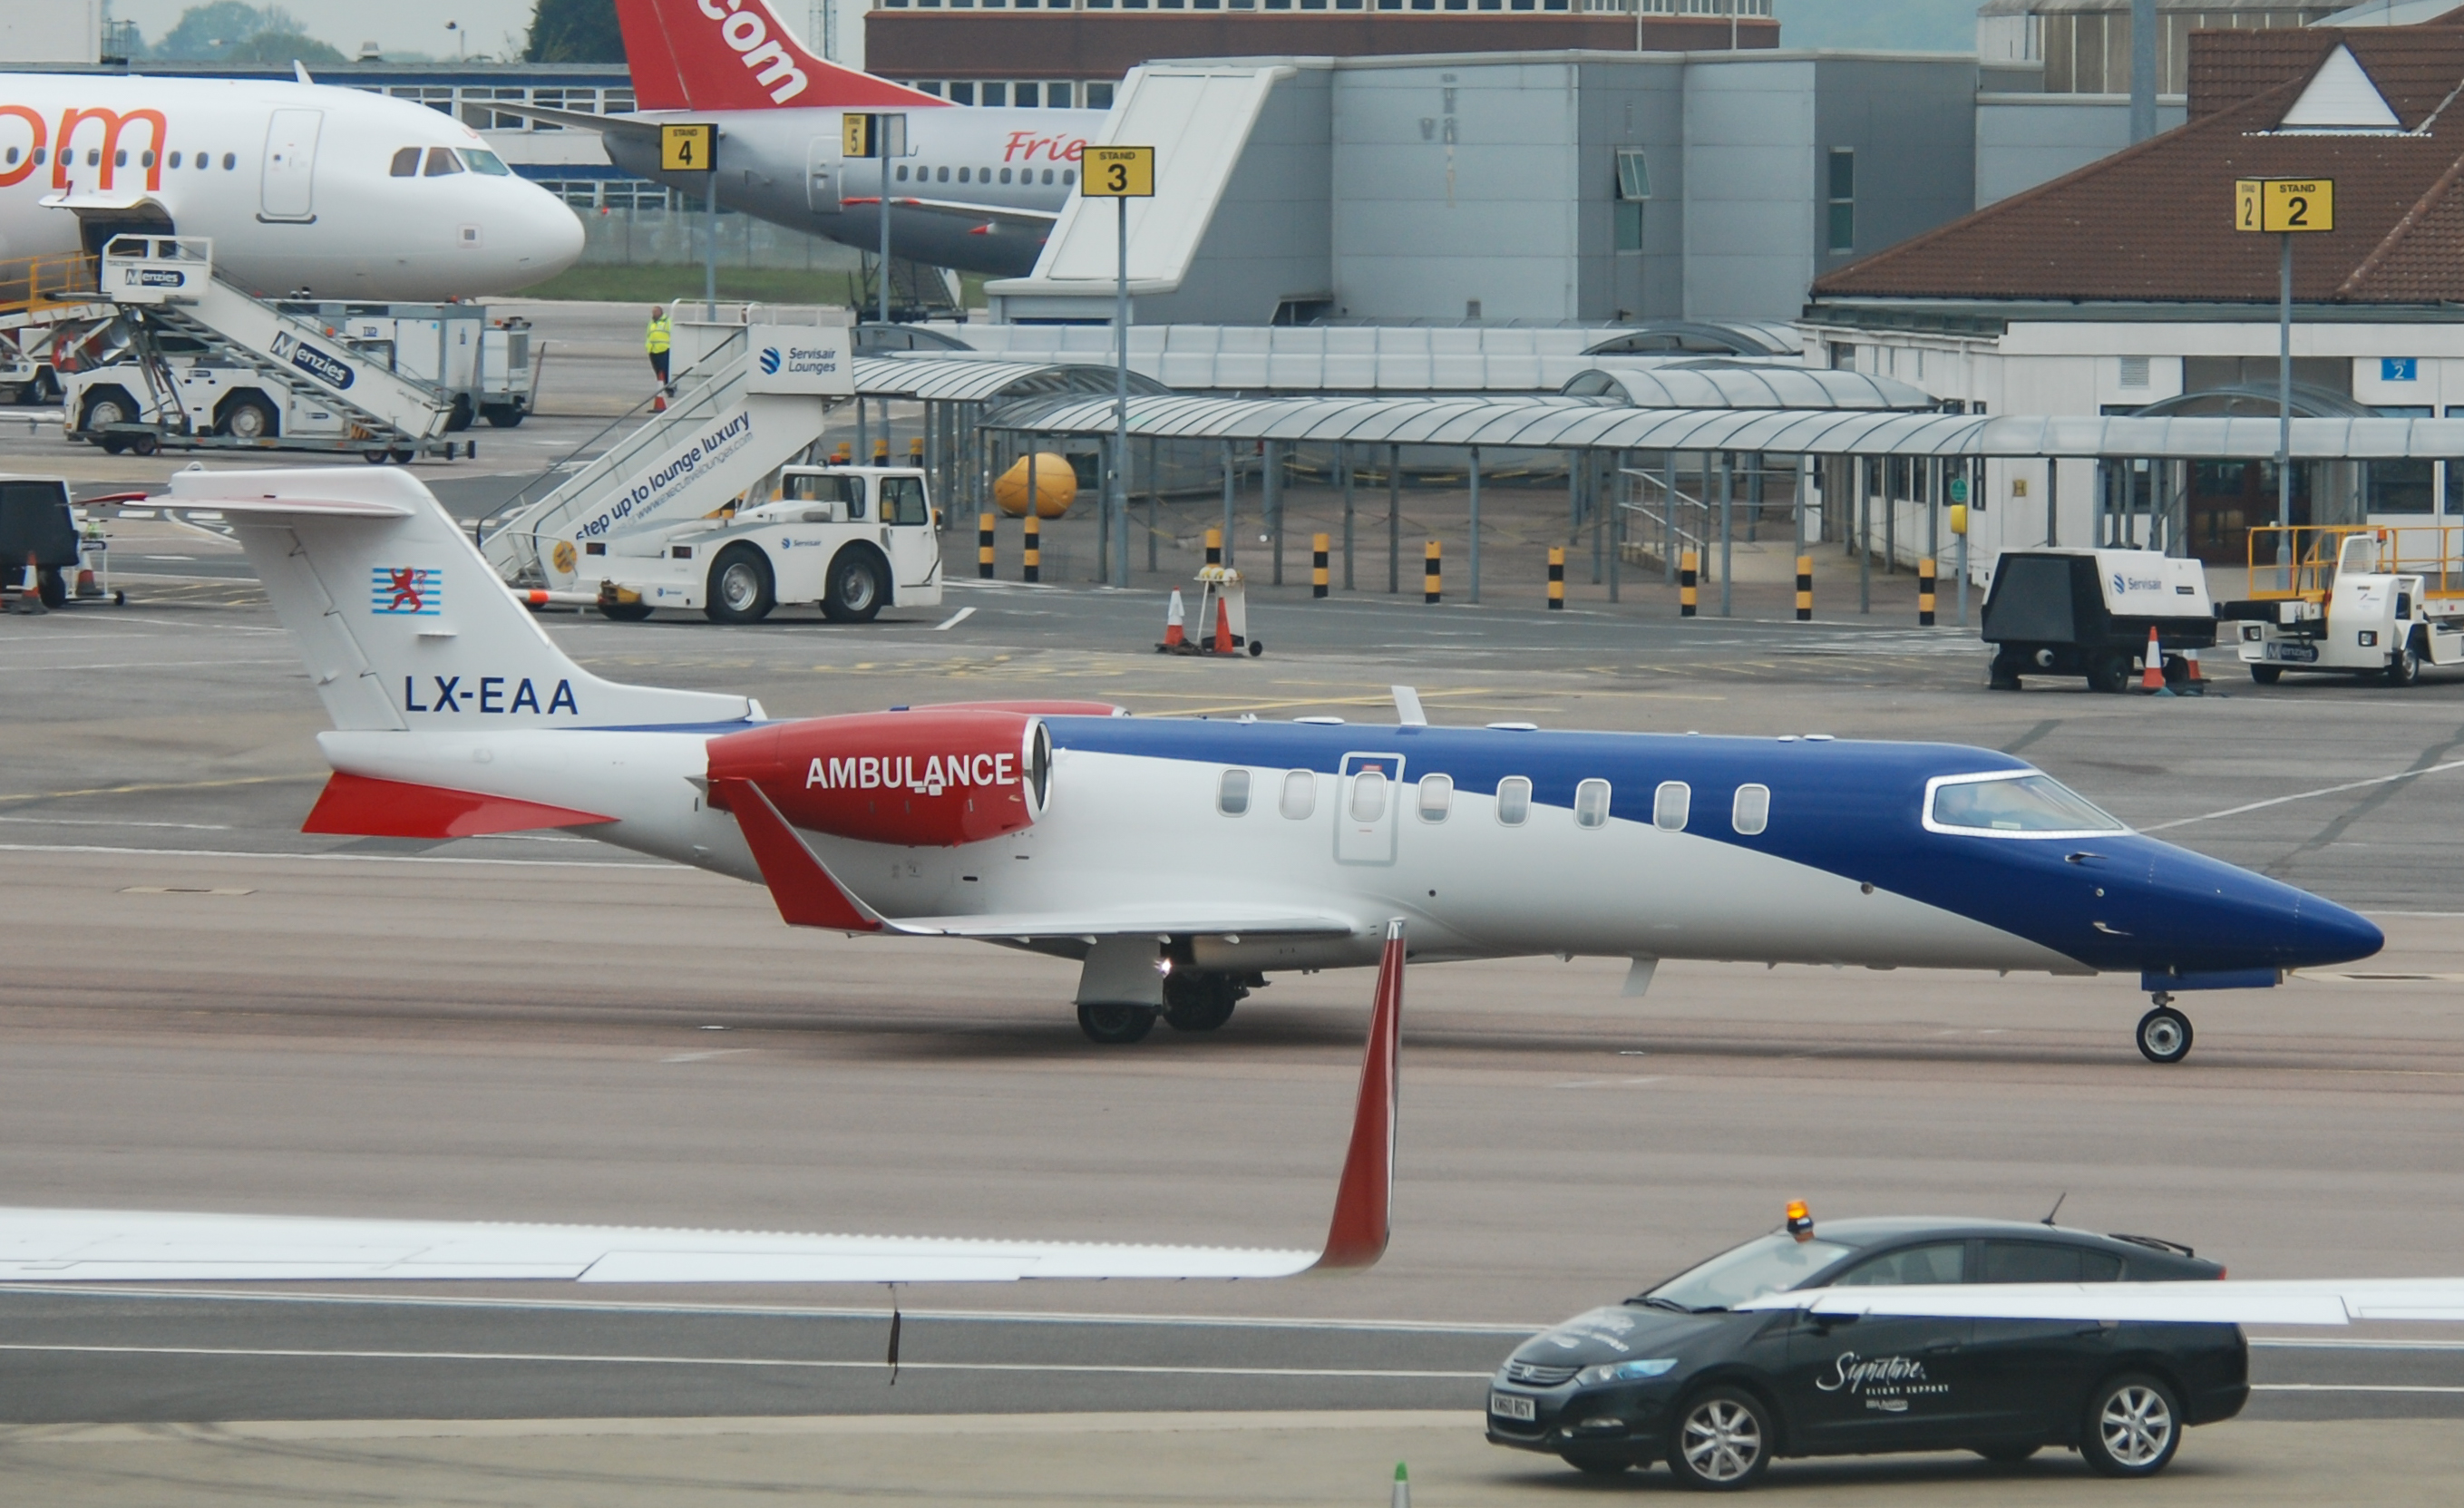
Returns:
(1686, 564)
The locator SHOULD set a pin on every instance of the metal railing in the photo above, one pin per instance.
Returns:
(2302, 560)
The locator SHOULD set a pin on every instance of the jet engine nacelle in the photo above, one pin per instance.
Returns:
(933, 778)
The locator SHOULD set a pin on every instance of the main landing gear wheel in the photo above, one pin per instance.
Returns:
(1115, 1025)
(2164, 1033)
(1199, 1002)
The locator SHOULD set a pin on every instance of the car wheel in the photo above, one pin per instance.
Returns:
(2005, 674)
(1116, 1025)
(2007, 1454)
(1597, 1465)
(2267, 674)
(108, 407)
(2164, 1035)
(1721, 1440)
(858, 588)
(740, 586)
(626, 612)
(53, 588)
(2133, 1426)
(249, 418)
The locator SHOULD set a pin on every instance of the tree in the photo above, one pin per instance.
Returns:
(282, 47)
(575, 31)
(208, 31)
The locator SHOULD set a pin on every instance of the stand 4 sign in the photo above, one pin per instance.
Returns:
(2285, 205)
(690, 147)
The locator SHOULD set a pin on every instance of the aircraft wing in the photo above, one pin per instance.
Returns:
(144, 1246)
(808, 895)
(2264, 1301)
(628, 127)
(1010, 216)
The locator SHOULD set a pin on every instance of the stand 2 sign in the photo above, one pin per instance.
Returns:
(2286, 205)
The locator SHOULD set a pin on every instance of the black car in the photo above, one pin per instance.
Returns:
(1675, 1374)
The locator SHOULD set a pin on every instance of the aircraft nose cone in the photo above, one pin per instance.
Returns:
(2324, 932)
(556, 242)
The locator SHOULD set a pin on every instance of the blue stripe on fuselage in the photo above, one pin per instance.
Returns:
(1848, 807)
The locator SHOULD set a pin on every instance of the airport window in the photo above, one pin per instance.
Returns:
(1633, 174)
(993, 93)
(1099, 97)
(1024, 94)
(1843, 199)
(1300, 793)
(1669, 804)
(1232, 792)
(1513, 800)
(962, 93)
(1056, 96)
(1591, 805)
(1752, 813)
(1437, 796)
(1368, 795)
(442, 163)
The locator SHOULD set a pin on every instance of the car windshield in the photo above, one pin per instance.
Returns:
(1772, 1263)
(2027, 804)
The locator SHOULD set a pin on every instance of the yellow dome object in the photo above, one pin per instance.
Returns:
(1056, 487)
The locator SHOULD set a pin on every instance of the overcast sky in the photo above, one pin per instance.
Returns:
(390, 24)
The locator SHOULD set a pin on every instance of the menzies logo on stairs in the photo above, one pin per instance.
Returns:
(325, 366)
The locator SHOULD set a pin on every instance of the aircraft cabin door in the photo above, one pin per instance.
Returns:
(824, 180)
(289, 185)
(1367, 795)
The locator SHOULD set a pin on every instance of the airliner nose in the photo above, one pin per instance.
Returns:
(2324, 932)
(551, 241)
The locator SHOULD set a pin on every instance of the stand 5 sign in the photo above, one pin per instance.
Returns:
(2285, 204)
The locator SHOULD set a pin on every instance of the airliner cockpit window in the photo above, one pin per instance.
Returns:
(482, 160)
(405, 162)
(2026, 803)
(441, 162)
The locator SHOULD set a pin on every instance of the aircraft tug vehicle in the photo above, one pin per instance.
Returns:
(2361, 599)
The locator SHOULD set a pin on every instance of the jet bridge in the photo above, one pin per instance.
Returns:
(197, 364)
(750, 393)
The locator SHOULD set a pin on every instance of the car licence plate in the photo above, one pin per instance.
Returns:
(1507, 1405)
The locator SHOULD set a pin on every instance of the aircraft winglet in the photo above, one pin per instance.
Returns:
(805, 892)
(1364, 1200)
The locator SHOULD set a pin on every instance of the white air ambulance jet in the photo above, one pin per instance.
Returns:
(301, 187)
(1181, 860)
(979, 191)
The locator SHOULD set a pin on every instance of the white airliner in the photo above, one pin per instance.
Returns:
(979, 191)
(337, 193)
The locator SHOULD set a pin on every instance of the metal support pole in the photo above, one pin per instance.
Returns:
(2053, 501)
(881, 299)
(2284, 402)
(1120, 494)
(1934, 474)
(1728, 532)
(1669, 537)
(1154, 500)
(710, 240)
(1617, 531)
(1228, 485)
(1595, 485)
(1864, 538)
(2142, 70)
(1890, 518)
(1475, 523)
(1343, 464)
(1270, 490)
(1393, 519)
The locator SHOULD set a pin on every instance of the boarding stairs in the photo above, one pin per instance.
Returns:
(167, 284)
(716, 439)
(46, 302)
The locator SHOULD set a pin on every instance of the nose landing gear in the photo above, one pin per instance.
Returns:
(2164, 1033)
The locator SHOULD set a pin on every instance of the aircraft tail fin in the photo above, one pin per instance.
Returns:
(738, 55)
(401, 621)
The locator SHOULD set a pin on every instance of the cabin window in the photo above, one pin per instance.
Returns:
(13, 158)
(1513, 800)
(1232, 792)
(120, 158)
(1752, 810)
(405, 162)
(1047, 176)
(1669, 804)
(442, 163)
(1591, 805)
(962, 175)
(38, 157)
(902, 172)
(94, 156)
(1070, 175)
(1368, 795)
(944, 175)
(1004, 178)
(1300, 792)
(1437, 796)
(175, 157)
(230, 161)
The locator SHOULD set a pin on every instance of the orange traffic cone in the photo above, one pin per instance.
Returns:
(30, 596)
(1222, 625)
(2193, 684)
(2152, 677)
(659, 402)
(1172, 616)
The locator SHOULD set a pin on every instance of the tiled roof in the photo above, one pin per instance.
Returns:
(2155, 220)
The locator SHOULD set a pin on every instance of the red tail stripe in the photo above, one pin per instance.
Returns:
(738, 55)
(363, 807)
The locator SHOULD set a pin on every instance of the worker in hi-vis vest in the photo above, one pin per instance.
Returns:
(655, 340)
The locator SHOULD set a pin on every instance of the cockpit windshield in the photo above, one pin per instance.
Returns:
(1772, 1263)
(2026, 802)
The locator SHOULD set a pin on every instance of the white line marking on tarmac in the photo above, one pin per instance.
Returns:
(2353, 1388)
(953, 620)
(2304, 795)
(96, 822)
(143, 665)
(1211, 1422)
(1203, 1322)
(694, 1057)
(216, 853)
(796, 1362)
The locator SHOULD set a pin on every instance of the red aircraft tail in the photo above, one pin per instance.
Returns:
(737, 54)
